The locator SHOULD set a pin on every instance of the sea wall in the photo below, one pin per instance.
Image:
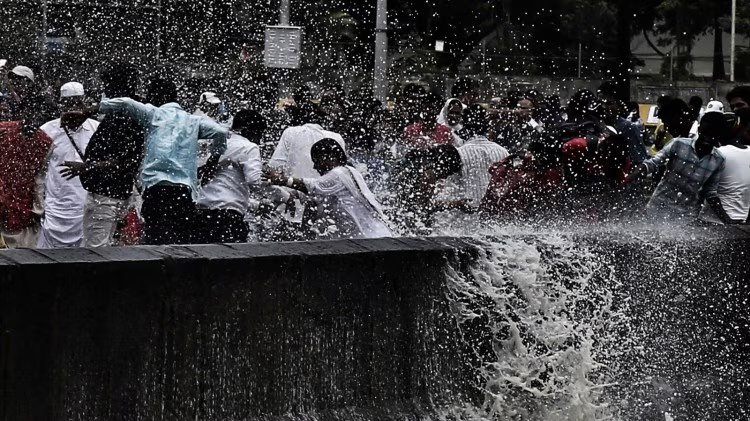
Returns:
(228, 332)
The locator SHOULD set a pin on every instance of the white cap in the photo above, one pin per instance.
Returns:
(23, 71)
(209, 97)
(71, 89)
(714, 107)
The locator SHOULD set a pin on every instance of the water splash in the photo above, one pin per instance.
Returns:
(545, 324)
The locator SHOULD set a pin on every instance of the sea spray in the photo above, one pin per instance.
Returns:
(545, 324)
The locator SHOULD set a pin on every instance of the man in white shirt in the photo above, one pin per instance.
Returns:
(477, 156)
(64, 200)
(730, 203)
(346, 208)
(223, 201)
(292, 154)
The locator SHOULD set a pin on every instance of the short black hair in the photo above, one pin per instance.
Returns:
(475, 120)
(302, 94)
(715, 124)
(673, 108)
(304, 113)
(328, 148)
(579, 104)
(120, 79)
(608, 88)
(161, 91)
(695, 101)
(742, 92)
(445, 159)
(463, 86)
(249, 119)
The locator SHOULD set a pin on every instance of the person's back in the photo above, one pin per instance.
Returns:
(119, 143)
(170, 165)
(477, 156)
(636, 147)
(223, 201)
(734, 185)
(292, 154)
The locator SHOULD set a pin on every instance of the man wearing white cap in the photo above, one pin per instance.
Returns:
(27, 101)
(210, 105)
(712, 107)
(64, 200)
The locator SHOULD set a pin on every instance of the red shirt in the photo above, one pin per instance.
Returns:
(21, 159)
(415, 135)
(518, 190)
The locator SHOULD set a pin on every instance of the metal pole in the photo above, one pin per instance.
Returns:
(158, 32)
(284, 13)
(380, 82)
(580, 58)
(43, 34)
(734, 46)
(484, 56)
(671, 65)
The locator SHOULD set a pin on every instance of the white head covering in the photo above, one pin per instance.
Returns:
(442, 118)
(23, 71)
(71, 89)
(714, 107)
(209, 97)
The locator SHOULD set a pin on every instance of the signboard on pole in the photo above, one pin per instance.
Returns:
(283, 47)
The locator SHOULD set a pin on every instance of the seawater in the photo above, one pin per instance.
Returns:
(550, 310)
(555, 333)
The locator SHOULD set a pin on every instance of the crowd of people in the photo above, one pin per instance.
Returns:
(124, 169)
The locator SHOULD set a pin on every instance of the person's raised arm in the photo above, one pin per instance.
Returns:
(142, 113)
(650, 166)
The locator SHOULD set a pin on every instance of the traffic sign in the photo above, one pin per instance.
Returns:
(283, 47)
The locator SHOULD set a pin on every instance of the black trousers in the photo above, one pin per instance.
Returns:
(169, 213)
(214, 226)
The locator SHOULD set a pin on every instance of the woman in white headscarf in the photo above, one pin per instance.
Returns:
(345, 203)
(452, 116)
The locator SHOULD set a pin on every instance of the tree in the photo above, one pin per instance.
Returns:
(682, 21)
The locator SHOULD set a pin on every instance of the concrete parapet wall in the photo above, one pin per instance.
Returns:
(248, 331)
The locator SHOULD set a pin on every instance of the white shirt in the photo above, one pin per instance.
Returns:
(64, 199)
(354, 198)
(477, 156)
(292, 154)
(694, 130)
(238, 173)
(734, 185)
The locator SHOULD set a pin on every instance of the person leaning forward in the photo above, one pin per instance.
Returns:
(169, 174)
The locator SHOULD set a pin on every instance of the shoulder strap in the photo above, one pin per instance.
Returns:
(78, 150)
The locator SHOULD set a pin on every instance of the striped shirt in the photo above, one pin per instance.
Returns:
(688, 179)
(477, 156)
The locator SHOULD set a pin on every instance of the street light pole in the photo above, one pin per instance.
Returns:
(284, 13)
(734, 45)
(380, 82)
